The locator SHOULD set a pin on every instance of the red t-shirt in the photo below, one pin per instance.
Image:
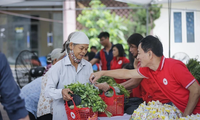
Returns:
(150, 91)
(173, 79)
(117, 64)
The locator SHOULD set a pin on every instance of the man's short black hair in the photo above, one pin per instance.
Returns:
(135, 39)
(152, 43)
(104, 34)
(120, 49)
(93, 47)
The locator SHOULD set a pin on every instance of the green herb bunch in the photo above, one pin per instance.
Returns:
(194, 67)
(89, 97)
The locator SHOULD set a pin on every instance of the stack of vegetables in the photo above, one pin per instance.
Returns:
(119, 89)
(89, 97)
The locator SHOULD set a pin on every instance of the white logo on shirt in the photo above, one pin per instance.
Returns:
(165, 81)
(120, 62)
(72, 115)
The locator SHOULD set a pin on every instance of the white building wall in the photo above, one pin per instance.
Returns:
(162, 29)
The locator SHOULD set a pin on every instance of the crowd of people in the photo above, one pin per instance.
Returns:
(149, 77)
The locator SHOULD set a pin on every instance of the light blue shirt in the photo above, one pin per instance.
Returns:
(94, 67)
(64, 73)
(31, 93)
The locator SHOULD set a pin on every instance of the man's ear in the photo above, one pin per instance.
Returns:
(150, 54)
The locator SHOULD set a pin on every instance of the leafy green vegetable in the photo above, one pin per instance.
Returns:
(89, 97)
(194, 67)
(107, 79)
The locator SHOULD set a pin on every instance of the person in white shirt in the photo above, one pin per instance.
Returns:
(44, 107)
(71, 69)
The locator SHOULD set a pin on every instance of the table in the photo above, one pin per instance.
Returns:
(124, 117)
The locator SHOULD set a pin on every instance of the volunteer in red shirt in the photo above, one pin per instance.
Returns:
(172, 76)
(149, 90)
(118, 60)
(104, 56)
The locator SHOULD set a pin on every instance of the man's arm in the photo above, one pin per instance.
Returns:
(94, 60)
(9, 92)
(132, 83)
(119, 74)
(193, 98)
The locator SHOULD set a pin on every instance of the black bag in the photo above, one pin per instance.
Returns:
(76, 99)
(130, 104)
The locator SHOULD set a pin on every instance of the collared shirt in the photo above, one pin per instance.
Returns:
(150, 90)
(108, 55)
(173, 79)
(31, 93)
(45, 103)
(117, 64)
(61, 74)
(9, 92)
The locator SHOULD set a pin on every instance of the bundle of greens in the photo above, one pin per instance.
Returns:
(89, 97)
(194, 67)
(119, 89)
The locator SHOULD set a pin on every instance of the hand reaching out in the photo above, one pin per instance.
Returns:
(95, 76)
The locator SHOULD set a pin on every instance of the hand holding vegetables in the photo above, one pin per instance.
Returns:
(89, 97)
(66, 95)
(103, 86)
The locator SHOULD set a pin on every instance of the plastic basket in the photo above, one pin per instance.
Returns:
(80, 113)
(115, 104)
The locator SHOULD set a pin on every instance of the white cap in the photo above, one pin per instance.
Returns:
(79, 38)
(56, 54)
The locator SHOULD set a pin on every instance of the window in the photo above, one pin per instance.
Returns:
(177, 27)
(190, 26)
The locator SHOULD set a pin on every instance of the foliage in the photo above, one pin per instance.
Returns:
(97, 20)
(89, 97)
(137, 19)
(119, 89)
(194, 67)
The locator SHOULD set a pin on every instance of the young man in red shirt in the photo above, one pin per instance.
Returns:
(105, 55)
(172, 76)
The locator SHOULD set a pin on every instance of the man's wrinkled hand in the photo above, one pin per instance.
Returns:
(95, 76)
